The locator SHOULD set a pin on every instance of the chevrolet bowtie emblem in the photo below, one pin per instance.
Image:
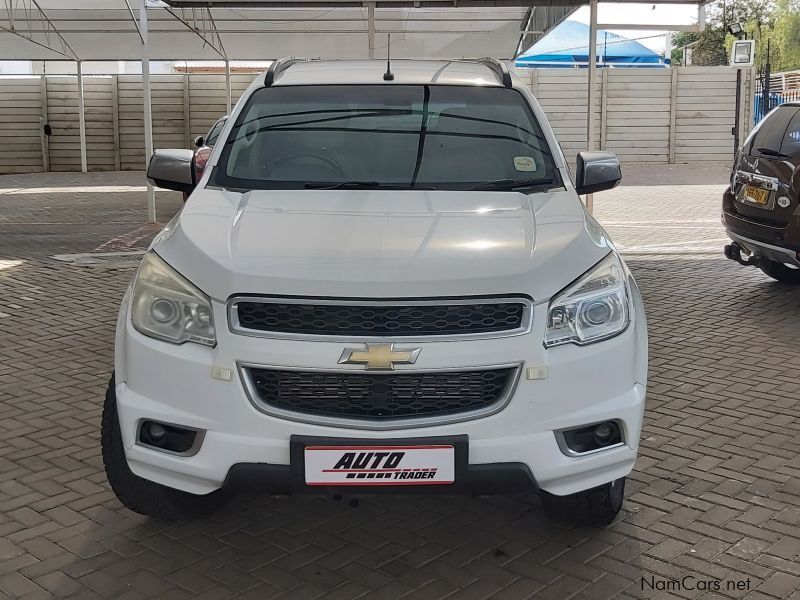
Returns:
(379, 357)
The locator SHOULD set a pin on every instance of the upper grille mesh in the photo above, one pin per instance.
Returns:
(380, 396)
(379, 320)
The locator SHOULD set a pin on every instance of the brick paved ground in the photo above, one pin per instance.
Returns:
(715, 493)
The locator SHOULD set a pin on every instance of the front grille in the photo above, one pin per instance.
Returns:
(378, 319)
(381, 397)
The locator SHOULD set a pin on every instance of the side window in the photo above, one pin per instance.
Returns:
(791, 139)
(214, 132)
(771, 132)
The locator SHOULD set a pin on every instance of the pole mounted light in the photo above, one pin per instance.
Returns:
(742, 57)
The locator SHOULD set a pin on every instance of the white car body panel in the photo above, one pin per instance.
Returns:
(383, 244)
(367, 243)
(173, 384)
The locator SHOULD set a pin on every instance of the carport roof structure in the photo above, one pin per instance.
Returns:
(268, 29)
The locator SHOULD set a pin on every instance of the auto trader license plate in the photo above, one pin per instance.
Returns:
(755, 195)
(379, 465)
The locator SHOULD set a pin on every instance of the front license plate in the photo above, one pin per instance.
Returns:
(755, 195)
(379, 465)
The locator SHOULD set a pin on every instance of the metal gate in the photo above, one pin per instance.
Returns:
(771, 90)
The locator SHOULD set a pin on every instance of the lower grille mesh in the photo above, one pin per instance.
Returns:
(384, 396)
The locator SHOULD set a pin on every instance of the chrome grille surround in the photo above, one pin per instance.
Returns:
(246, 373)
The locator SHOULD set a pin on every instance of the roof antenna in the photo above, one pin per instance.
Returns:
(388, 76)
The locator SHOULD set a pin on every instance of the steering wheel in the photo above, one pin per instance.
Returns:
(282, 162)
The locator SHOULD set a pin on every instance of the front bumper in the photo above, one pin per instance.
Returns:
(173, 384)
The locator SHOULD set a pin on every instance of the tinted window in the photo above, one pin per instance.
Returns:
(214, 132)
(448, 137)
(772, 132)
(791, 138)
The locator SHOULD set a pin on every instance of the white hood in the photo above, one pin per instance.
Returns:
(380, 243)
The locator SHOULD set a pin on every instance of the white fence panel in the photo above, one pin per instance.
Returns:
(207, 97)
(705, 111)
(637, 114)
(169, 127)
(20, 126)
(62, 114)
(563, 95)
(98, 96)
(644, 115)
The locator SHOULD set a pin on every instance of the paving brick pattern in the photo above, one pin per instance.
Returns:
(715, 495)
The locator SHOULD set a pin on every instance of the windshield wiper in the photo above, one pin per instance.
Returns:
(771, 152)
(365, 185)
(512, 184)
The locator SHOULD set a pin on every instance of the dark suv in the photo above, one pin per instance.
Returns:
(761, 208)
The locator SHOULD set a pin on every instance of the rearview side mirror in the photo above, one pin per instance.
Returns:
(597, 171)
(172, 170)
(199, 141)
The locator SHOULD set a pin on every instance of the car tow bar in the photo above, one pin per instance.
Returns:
(733, 251)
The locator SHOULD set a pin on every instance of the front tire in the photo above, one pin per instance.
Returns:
(596, 506)
(138, 494)
(779, 271)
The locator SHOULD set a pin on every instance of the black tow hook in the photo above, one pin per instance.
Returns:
(734, 252)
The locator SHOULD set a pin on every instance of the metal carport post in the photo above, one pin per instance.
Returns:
(592, 77)
(148, 109)
(82, 119)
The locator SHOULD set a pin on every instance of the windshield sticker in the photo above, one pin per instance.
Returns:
(524, 163)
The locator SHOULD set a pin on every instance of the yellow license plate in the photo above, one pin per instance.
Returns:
(755, 195)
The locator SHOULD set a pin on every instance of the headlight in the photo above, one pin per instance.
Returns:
(593, 308)
(168, 307)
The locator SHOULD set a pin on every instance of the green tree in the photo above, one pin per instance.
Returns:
(776, 22)
(679, 41)
(707, 47)
(785, 36)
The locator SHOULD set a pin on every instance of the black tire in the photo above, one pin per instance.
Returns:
(779, 271)
(138, 494)
(597, 506)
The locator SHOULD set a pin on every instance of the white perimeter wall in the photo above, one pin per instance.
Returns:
(679, 115)
(644, 115)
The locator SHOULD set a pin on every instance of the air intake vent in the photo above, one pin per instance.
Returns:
(380, 319)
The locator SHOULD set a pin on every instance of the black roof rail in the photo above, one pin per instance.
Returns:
(280, 65)
(500, 69)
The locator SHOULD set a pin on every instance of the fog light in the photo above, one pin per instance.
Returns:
(170, 438)
(155, 431)
(589, 438)
(605, 432)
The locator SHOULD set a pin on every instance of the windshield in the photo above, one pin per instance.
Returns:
(398, 136)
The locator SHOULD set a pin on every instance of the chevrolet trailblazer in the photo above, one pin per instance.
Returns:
(384, 280)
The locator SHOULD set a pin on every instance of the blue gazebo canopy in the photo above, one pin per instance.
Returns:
(568, 46)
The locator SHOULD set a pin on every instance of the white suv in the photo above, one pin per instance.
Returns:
(382, 279)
